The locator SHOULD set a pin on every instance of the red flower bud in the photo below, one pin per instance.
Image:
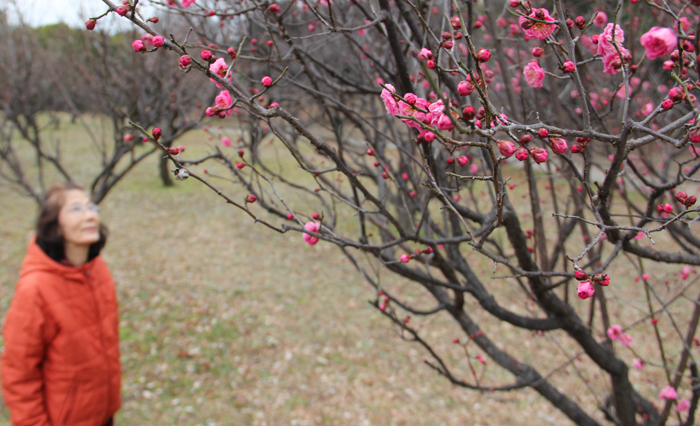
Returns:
(90, 24)
(525, 139)
(580, 22)
(173, 151)
(580, 275)
(231, 52)
(468, 113)
(543, 133)
(455, 22)
(206, 55)
(157, 133)
(251, 198)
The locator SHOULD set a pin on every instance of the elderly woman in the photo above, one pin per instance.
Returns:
(60, 365)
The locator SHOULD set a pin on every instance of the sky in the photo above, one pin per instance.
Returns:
(44, 12)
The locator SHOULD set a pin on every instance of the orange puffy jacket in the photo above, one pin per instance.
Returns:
(60, 365)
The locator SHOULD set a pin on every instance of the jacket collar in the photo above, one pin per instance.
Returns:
(37, 260)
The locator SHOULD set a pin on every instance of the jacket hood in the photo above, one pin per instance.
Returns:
(36, 260)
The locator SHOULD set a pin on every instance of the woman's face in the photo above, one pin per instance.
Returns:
(78, 220)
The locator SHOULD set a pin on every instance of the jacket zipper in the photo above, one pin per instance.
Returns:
(102, 342)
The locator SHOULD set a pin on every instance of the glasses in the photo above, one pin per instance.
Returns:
(80, 208)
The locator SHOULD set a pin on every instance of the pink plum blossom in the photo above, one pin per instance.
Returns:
(392, 107)
(226, 142)
(614, 332)
(219, 68)
(311, 227)
(626, 339)
(224, 101)
(534, 74)
(444, 122)
(606, 45)
(539, 30)
(638, 364)
(585, 288)
(600, 19)
(685, 273)
(668, 393)
(659, 41)
(187, 3)
(683, 405)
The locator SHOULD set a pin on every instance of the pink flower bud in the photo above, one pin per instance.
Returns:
(483, 55)
(90, 24)
(585, 290)
(404, 176)
(507, 148)
(429, 137)
(455, 22)
(266, 81)
(138, 46)
(430, 64)
(514, 3)
(465, 88)
(444, 122)
(525, 139)
(521, 154)
(690, 201)
(667, 104)
(425, 54)
(274, 8)
(206, 55)
(569, 67)
(580, 275)
(158, 41)
(405, 258)
(157, 133)
(462, 160)
(181, 148)
(577, 149)
(121, 11)
(543, 133)
(539, 155)
(251, 198)
(128, 137)
(240, 165)
(668, 208)
(173, 151)
(185, 61)
(558, 145)
(410, 98)
(537, 52)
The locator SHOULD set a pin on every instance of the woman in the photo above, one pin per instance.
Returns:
(60, 365)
